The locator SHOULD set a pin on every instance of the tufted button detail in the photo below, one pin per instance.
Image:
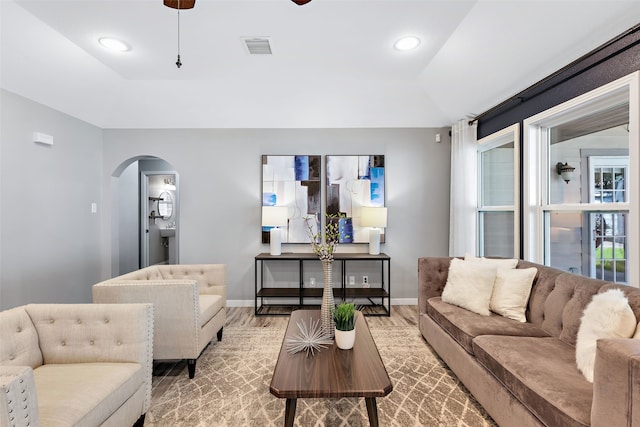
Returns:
(91, 342)
(106, 320)
(12, 356)
(51, 320)
(19, 329)
(79, 321)
(63, 343)
(119, 343)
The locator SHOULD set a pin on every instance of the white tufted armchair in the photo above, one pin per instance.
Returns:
(189, 305)
(75, 364)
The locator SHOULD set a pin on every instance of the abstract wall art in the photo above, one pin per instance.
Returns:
(353, 182)
(294, 182)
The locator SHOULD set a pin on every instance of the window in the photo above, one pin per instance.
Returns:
(498, 194)
(586, 223)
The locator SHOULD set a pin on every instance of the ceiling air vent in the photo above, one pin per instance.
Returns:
(258, 46)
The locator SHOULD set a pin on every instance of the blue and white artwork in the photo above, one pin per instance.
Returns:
(351, 183)
(294, 182)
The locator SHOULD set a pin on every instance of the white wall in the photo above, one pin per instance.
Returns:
(220, 191)
(50, 248)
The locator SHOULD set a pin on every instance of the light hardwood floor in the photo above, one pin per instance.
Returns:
(401, 315)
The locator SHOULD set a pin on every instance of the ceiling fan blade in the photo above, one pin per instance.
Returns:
(184, 4)
(300, 2)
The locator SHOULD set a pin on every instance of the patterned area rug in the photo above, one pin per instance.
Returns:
(231, 387)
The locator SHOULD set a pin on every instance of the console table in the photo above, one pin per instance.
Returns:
(378, 296)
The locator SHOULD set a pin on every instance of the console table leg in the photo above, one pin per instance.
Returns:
(372, 411)
(290, 412)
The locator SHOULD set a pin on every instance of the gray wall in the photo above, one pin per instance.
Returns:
(50, 241)
(220, 191)
(128, 194)
(53, 248)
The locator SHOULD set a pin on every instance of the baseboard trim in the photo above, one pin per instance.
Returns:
(404, 301)
(250, 303)
(240, 303)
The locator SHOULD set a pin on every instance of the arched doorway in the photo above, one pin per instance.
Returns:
(145, 215)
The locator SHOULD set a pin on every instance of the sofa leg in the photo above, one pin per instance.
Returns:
(140, 421)
(191, 365)
(220, 334)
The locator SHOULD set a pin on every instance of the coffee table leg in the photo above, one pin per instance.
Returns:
(290, 412)
(372, 410)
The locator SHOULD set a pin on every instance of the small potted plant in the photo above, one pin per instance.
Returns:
(344, 317)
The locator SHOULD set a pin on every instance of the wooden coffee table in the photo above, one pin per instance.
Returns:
(331, 373)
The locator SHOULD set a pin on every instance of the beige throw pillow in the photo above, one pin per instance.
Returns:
(469, 286)
(511, 292)
(496, 262)
(608, 315)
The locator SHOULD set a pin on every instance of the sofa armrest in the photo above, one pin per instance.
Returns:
(432, 276)
(18, 400)
(177, 311)
(616, 383)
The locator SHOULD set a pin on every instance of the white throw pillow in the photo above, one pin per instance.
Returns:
(469, 285)
(511, 292)
(496, 262)
(608, 315)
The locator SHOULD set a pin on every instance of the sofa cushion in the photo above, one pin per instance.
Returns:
(494, 262)
(19, 339)
(511, 292)
(464, 325)
(541, 374)
(564, 306)
(469, 285)
(209, 306)
(543, 285)
(84, 393)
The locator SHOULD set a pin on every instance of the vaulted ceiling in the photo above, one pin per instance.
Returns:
(333, 63)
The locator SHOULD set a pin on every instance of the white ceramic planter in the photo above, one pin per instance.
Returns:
(345, 339)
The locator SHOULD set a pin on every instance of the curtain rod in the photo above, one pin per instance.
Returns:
(520, 96)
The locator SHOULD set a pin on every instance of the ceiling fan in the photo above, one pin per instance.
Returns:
(188, 4)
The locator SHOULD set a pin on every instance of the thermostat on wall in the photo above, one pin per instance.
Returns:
(42, 138)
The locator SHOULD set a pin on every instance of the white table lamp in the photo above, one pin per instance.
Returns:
(275, 216)
(376, 218)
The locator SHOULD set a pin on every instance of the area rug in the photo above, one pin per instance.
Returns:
(231, 387)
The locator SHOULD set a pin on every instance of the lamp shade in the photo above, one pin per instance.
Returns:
(274, 216)
(373, 217)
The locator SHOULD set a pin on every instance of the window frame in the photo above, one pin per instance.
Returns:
(497, 139)
(537, 170)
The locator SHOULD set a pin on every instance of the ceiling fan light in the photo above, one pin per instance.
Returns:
(407, 43)
(114, 44)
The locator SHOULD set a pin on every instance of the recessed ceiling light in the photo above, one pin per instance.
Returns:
(407, 43)
(114, 44)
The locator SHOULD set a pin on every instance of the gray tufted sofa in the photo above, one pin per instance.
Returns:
(189, 300)
(75, 364)
(525, 374)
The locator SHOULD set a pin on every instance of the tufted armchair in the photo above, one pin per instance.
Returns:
(189, 301)
(75, 364)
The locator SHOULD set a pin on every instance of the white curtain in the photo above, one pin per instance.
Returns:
(464, 189)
